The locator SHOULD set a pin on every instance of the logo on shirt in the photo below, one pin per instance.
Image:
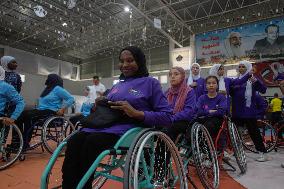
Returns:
(205, 106)
(134, 92)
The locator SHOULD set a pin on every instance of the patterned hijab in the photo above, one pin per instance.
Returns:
(2, 74)
(5, 60)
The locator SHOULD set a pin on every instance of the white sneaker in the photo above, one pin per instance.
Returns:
(262, 157)
(227, 155)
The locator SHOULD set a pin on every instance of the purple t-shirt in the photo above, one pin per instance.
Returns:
(144, 94)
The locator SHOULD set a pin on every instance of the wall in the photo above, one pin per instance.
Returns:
(37, 64)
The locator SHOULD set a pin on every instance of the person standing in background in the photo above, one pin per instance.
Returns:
(195, 81)
(276, 105)
(97, 89)
(9, 64)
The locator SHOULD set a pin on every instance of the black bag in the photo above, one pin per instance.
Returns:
(103, 116)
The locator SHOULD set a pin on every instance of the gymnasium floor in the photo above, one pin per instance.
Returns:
(266, 175)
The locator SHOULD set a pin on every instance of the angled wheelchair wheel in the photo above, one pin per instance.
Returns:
(11, 145)
(205, 157)
(268, 134)
(54, 131)
(154, 163)
(237, 145)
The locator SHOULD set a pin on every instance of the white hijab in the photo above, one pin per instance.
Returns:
(90, 99)
(192, 77)
(214, 71)
(5, 60)
(2, 74)
(248, 92)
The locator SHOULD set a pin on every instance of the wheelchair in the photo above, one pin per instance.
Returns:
(268, 133)
(135, 152)
(234, 143)
(11, 145)
(48, 132)
(199, 152)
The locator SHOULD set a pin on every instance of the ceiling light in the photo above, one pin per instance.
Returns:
(126, 9)
(64, 24)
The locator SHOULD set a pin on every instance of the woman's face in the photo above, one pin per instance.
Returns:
(242, 69)
(211, 85)
(195, 69)
(12, 65)
(221, 71)
(127, 64)
(86, 92)
(175, 77)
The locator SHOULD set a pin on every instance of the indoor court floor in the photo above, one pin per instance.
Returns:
(26, 174)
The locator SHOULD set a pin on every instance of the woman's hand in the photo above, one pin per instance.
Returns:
(128, 109)
(194, 84)
(60, 112)
(212, 111)
(222, 92)
(8, 121)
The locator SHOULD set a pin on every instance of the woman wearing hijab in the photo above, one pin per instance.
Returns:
(9, 64)
(85, 108)
(50, 103)
(181, 99)
(225, 83)
(140, 97)
(195, 81)
(9, 94)
(244, 110)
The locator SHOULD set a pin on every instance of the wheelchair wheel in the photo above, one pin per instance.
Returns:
(54, 131)
(154, 163)
(269, 136)
(204, 155)
(11, 145)
(237, 145)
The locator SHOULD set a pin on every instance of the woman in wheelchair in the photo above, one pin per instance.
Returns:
(9, 94)
(137, 96)
(244, 110)
(211, 107)
(182, 100)
(226, 83)
(85, 108)
(50, 103)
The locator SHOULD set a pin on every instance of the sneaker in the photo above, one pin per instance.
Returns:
(262, 157)
(227, 155)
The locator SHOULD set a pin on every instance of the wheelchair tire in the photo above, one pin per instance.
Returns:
(237, 145)
(270, 142)
(205, 157)
(55, 130)
(9, 150)
(146, 176)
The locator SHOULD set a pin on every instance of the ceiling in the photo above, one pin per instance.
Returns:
(102, 27)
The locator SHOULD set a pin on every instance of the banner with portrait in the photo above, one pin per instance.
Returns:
(260, 41)
(270, 72)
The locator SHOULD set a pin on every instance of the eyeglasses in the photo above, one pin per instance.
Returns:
(242, 67)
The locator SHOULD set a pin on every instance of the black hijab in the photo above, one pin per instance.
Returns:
(140, 59)
(52, 81)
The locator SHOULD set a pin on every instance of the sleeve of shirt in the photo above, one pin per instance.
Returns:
(17, 99)
(66, 96)
(222, 107)
(241, 81)
(103, 89)
(161, 114)
(259, 86)
(199, 109)
(187, 114)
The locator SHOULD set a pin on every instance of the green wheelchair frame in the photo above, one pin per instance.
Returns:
(121, 149)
